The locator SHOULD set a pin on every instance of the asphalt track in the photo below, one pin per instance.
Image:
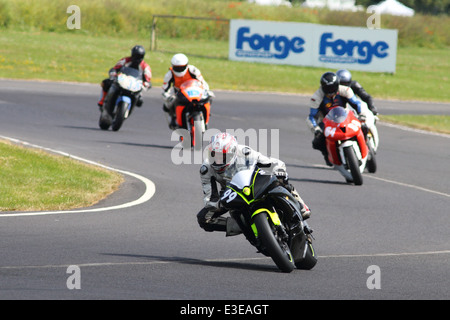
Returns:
(398, 220)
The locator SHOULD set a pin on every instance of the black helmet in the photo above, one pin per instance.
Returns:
(329, 82)
(345, 77)
(137, 53)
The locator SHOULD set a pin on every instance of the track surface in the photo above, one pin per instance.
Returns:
(397, 220)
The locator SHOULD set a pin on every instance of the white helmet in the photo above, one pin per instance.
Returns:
(179, 64)
(222, 151)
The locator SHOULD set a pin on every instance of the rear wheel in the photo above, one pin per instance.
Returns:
(105, 120)
(371, 161)
(309, 260)
(353, 165)
(277, 249)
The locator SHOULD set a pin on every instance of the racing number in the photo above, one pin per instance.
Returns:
(329, 131)
(354, 125)
(230, 194)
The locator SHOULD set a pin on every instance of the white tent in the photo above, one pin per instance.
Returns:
(271, 2)
(346, 5)
(391, 7)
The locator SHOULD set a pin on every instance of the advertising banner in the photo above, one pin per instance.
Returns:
(307, 44)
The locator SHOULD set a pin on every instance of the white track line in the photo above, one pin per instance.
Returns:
(409, 186)
(148, 194)
(170, 261)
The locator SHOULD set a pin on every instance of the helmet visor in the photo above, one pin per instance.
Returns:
(179, 68)
(220, 160)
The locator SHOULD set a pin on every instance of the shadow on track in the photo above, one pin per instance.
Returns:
(314, 167)
(210, 263)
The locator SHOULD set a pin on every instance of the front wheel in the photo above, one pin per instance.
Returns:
(197, 131)
(277, 249)
(119, 116)
(353, 165)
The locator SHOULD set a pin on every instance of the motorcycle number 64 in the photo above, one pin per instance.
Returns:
(230, 194)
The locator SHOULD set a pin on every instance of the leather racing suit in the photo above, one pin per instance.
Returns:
(320, 105)
(208, 218)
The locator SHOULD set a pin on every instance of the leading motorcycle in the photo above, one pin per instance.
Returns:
(346, 144)
(269, 217)
(129, 85)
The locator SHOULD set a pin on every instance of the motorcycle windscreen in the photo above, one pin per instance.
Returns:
(337, 115)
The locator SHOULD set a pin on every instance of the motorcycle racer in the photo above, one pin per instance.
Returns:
(345, 79)
(225, 157)
(330, 94)
(179, 72)
(136, 61)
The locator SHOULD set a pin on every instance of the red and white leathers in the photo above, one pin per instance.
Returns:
(143, 67)
(125, 62)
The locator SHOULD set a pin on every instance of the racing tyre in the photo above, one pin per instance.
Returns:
(120, 116)
(278, 250)
(353, 165)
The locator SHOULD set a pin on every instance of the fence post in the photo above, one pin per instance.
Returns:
(153, 42)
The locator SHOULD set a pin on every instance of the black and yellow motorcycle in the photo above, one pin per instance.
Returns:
(269, 217)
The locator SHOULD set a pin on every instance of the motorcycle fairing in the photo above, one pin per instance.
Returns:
(341, 125)
(244, 184)
(123, 98)
(273, 216)
(130, 79)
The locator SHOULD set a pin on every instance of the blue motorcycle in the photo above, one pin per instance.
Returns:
(128, 86)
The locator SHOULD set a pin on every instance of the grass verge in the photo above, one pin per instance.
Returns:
(422, 73)
(435, 123)
(33, 180)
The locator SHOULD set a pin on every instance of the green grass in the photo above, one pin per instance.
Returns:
(422, 73)
(435, 123)
(32, 180)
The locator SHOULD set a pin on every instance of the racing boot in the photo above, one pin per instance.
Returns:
(233, 228)
(102, 100)
(139, 101)
(306, 213)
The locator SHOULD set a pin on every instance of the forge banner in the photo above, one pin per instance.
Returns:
(307, 44)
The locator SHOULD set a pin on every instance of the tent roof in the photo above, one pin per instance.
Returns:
(392, 7)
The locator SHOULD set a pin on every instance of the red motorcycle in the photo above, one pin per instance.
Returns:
(193, 109)
(346, 144)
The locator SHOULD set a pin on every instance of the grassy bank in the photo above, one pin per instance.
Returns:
(134, 17)
(33, 180)
(109, 28)
(440, 124)
(422, 73)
